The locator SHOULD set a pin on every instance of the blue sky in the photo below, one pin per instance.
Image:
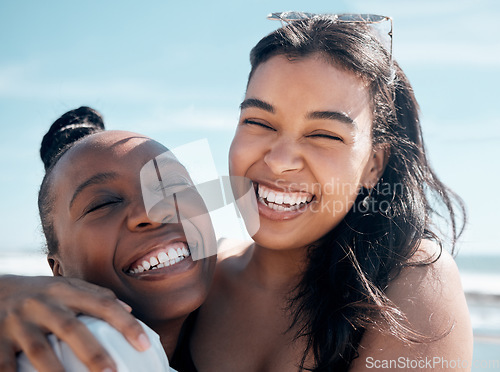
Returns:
(177, 71)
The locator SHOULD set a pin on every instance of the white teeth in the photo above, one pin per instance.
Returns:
(162, 257)
(172, 254)
(289, 198)
(175, 254)
(279, 199)
(264, 193)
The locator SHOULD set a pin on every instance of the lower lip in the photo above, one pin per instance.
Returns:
(273, 215)
(166, 272)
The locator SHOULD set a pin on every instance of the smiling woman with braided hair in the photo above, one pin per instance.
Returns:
(97, 230)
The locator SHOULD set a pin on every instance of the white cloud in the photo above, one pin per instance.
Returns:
(445, 32)
(187, 119)
(450, 54)
(29, 80)
(422, 9)
(24, 81)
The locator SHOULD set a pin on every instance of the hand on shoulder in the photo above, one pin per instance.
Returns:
(125, 356)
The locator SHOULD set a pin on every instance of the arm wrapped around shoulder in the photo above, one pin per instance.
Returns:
(125, 356)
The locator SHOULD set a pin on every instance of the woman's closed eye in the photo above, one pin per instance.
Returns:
(101, 204)
(258, 123)
(327, 136)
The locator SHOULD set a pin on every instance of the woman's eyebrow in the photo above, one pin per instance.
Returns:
(332, 115)
(254, 102)
(96, 179)
(329, 115)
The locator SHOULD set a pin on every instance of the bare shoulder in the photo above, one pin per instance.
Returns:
(432, 299)
(426, 281)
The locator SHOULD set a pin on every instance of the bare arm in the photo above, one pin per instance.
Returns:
(31, 307)
(432, 298)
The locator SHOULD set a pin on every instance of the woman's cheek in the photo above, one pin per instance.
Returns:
(236, 156)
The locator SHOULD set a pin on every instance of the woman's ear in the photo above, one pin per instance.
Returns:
(376, 165)
(55, 266)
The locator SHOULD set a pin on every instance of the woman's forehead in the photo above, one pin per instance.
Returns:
(310, 84)
(108, 151)
(111, 139)
(115, 143)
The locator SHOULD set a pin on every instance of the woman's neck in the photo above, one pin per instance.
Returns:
(277, 270)
(169, 332)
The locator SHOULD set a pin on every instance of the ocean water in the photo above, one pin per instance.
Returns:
(481, 281)
(480, 278)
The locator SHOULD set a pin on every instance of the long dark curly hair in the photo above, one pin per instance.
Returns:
(342, 290)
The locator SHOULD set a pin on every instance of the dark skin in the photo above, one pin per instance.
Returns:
(34, 306)
(103, 230)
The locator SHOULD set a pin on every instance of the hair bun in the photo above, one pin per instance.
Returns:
(69, 128)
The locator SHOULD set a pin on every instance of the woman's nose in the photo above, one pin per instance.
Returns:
(284, 155)
(140, 220)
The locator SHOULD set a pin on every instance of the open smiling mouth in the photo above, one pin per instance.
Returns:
(161, 257)
(282, 201)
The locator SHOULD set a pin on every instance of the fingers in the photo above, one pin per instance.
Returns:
(125, 306)
(102, 303)
(36, 347)
(66, 327)
(114, 314)
(32, 307)
(7, 357)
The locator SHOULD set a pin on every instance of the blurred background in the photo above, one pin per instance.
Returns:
(177, 71)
